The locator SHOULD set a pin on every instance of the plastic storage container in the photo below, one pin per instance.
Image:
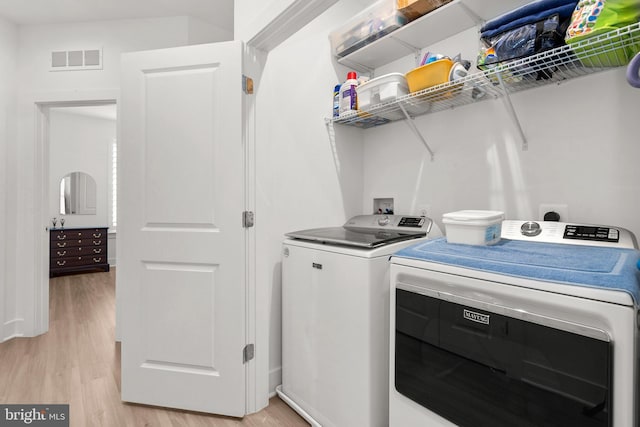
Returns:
(428, 75)
(388, 88)
(374, 22)
(413, 9)
(473, 227)
(382, 89)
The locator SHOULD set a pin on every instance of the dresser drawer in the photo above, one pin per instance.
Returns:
(60, 244)
(77, 251)
(77, 261)
(78, 233)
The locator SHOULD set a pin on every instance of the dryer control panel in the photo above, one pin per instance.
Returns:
(568, 233)
(596, 233)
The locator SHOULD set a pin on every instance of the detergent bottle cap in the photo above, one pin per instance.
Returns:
(351, 75)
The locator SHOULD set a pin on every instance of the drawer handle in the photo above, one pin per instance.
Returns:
(97, 242)
(97, 251)
(62, 245)
(62, 253)
(61, 236)
(61, 262)
(97, 236)
(97, 259)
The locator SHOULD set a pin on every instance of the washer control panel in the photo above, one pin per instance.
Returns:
(573, 234)
(399, 223)
(411, 221)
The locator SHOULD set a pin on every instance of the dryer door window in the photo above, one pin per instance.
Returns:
(477, 368)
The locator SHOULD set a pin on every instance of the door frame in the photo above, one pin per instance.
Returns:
(41, 107)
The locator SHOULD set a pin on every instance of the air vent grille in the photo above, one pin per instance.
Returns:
(77, 59)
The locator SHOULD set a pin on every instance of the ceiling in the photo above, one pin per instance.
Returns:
(216, 12)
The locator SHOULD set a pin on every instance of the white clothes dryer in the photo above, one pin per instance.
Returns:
(540, 329)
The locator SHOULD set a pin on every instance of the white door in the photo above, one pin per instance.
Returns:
(181, 243)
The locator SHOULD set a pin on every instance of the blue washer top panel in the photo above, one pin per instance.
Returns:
(607, 268)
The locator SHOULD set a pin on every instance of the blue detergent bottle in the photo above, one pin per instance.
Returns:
(336, 101)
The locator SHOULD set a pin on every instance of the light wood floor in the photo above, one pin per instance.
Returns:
(77, 362)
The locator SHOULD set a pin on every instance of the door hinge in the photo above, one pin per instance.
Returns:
(248, 353)
(247, 219)
(247, 85)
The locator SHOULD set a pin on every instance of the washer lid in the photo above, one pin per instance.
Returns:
(360, 237)
(369, 231)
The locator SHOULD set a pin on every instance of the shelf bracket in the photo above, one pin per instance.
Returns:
(409, 121)
(362, 69)
(417, 52)
(512, 113)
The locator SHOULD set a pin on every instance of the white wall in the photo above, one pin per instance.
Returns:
(114, 37)
(37, 84)
(582, 148)
(305, 177)
(80, 143)
(200, 31)
(583, 151)
(8, 60)
(251, 16)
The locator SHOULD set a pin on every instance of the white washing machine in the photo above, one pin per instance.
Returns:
(335, 318)
(538, 330)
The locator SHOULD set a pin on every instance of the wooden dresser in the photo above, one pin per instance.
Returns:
(77, 249)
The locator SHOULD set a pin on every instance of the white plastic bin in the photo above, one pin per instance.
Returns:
(382, 89)
(473, 227)
(388, 88)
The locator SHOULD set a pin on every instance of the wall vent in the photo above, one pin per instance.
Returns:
(78, 59)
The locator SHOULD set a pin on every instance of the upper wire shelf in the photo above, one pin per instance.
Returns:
(595, 54)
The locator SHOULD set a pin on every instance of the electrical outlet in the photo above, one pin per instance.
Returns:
(561, 209)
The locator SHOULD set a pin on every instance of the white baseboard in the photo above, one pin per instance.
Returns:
(275, 379)
(12, 329)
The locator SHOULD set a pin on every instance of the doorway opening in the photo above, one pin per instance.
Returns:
(83, 166)
(77, 144)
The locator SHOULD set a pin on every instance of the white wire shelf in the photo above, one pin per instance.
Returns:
(595, 54)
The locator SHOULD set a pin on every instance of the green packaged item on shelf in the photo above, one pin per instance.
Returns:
(593, 18)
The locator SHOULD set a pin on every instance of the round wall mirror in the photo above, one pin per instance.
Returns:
(77, 194)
